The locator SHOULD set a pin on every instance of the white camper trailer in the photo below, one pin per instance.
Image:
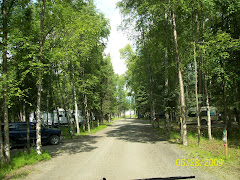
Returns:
(192, 115)
(52, 118)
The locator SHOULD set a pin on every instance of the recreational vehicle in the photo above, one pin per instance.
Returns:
(192, 115)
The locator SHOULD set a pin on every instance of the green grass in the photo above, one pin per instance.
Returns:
(66, 134)
(211, 149)
(132, 116)
(94, 130)
(22, 159)
(117, 118)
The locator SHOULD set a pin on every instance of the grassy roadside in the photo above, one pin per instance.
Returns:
(132, 116)
(117, 118)
(209, 150)
(93, 129)
(21, 159)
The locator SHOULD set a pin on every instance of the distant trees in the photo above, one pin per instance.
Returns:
(186, 56)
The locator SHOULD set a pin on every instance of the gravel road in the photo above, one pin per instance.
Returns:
(127, 149)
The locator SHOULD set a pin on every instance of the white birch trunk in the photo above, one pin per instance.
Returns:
(76, 106)
(181, 86)
(208, 113)
(38, 120)
(39, 83)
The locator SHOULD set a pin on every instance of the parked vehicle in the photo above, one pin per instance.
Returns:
(158, 115)
(192, 115)
(50, 119)
(18, 134)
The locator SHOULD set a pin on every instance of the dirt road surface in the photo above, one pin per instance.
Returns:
(127, 149)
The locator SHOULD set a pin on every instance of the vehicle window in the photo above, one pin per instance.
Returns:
(22, 126)
(204, 113)
(212, 113)
(11, 126)
(192, 114)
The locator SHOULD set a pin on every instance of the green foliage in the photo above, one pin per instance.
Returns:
(22, 159)
(213, 27)
(74, 40)
(213, 149)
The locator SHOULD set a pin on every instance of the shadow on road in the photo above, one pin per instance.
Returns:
(130, 130)
(135, 131)
(68, 146)
(73, 146)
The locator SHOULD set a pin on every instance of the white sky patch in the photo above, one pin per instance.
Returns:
(117, 40)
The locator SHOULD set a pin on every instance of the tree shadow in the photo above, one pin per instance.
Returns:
(135, 131)
(73, 146)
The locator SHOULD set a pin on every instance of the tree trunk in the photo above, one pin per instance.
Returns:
(196, 79)
(109, 117)
(224, 105)
(5, 83)
(86, 112)
(47, 105)
(71, 125)
(166, 78)
(20, 115)
(208, 111)
(1, 146)
(152, 113)
(171, 119)
(181, 86)
(75, 104)
(70, 129)
(58, 117)
(38, 120)
(101, 113)
(52, 118)
(97, 118)
(83, 96)
(39, 84)
(28, 130)
(91, 118)
(206, 84)
(196, 94)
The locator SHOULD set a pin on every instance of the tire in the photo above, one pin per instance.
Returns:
(203, 122)
(54, 140)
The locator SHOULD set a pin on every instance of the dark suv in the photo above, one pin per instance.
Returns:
(18, 134)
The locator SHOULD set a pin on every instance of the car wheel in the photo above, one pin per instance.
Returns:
(54, 140)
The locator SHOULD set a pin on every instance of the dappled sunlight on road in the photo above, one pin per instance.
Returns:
(133, 130)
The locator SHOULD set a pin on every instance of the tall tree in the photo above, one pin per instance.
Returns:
(39, 83)
(6, 8)
(181, 86)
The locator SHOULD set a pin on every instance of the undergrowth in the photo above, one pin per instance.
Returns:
(212, 149)
(93, 129)
(21, 159)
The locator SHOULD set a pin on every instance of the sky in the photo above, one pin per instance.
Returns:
(117, 39)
